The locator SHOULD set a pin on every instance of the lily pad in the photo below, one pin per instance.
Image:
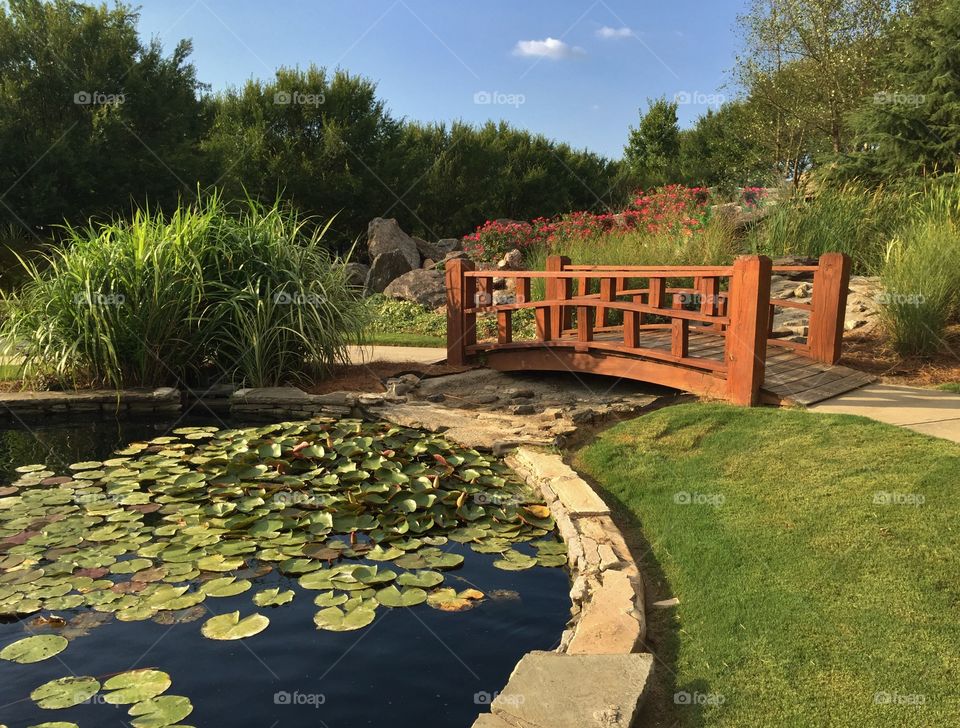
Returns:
(65, 692)
(393, 597)
(160, 712)
(135, 686)
(230, 627)
(334, 619)
(273, 597)
(34, 649)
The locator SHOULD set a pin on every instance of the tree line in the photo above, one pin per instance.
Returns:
(94, 122)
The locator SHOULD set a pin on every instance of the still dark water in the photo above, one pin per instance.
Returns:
(411, 668)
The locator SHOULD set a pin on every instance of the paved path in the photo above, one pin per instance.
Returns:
(929, 411)
(418, 354)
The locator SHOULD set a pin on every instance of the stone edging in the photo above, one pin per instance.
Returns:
(30, 406)
(598, 675)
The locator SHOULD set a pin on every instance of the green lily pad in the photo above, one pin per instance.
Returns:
(160, 712)
(273, 597)
(334, 619)
(421, 579)
(65, 692)
(230, 627)
(34, 649)
(393, 597)
(135, 686)
(225, 586)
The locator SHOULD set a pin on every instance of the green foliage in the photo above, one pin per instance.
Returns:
(652, 154)
(921, 288)
(392, 320)
(768, 526)
(97, 117)
(249, 298)
(848, 219)
(912, 125)
(721, 149)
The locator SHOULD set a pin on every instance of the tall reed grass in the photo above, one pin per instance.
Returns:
(202, 295)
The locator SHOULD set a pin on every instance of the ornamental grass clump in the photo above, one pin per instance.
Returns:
(200, 296)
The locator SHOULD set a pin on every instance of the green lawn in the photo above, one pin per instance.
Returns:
(817, 568)
(950, 387)
(8, 371)
(376, 338)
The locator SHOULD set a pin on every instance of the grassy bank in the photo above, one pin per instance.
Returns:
(811, 558)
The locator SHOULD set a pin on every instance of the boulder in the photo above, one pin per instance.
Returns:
(426, 287)
(385, 267)
(449, 256)
(356, 274)
(511, 261)
(437, 250)
(386, 235)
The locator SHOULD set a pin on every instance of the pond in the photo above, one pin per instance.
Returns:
(332, 574)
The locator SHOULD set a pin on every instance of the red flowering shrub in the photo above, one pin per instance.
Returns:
(674, 209)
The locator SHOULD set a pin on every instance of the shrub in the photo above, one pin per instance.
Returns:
(200, 295)
(922, 285)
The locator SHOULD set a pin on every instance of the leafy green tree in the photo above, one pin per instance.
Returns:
(91, 119)
(324, 142)
(652, 154)
(912, 125)
(723, 148)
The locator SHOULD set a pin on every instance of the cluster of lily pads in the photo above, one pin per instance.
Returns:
(358, 512)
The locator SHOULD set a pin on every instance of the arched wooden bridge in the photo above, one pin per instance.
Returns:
(703, 329)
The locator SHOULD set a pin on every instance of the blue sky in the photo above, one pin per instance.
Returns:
(574, 70)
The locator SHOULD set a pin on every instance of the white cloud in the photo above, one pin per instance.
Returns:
(608, 32)
(550, 48)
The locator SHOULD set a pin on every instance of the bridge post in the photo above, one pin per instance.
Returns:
(746, 345)
(461, 327)
(558, 288)
(830, 284)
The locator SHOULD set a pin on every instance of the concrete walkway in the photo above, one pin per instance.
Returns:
(418, 354)
(929, 411)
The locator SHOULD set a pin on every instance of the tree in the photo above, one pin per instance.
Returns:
(652, 154)
(807, 64)
(324, 142)
(91, 119)
(723, 148)
(912, 125)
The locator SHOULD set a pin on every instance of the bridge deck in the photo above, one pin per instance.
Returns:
(789, 377)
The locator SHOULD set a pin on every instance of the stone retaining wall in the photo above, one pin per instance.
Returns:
(32, 406)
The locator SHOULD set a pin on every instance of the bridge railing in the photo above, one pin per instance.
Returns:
(640, 311)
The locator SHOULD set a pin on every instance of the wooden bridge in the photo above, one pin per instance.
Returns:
(703, 329)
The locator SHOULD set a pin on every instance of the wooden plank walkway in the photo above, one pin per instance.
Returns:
(789, 378)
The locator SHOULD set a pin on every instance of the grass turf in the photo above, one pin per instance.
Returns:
(950, 387)
(376, 338)
(815, 564)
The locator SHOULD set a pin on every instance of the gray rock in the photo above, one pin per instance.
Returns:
(437, 250)
(511, 261)
(523, 409)
(386, 235)
(356, 274)
(385, 268)
(426, 287)
(550, 690)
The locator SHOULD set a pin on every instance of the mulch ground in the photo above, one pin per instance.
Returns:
(869, 353)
